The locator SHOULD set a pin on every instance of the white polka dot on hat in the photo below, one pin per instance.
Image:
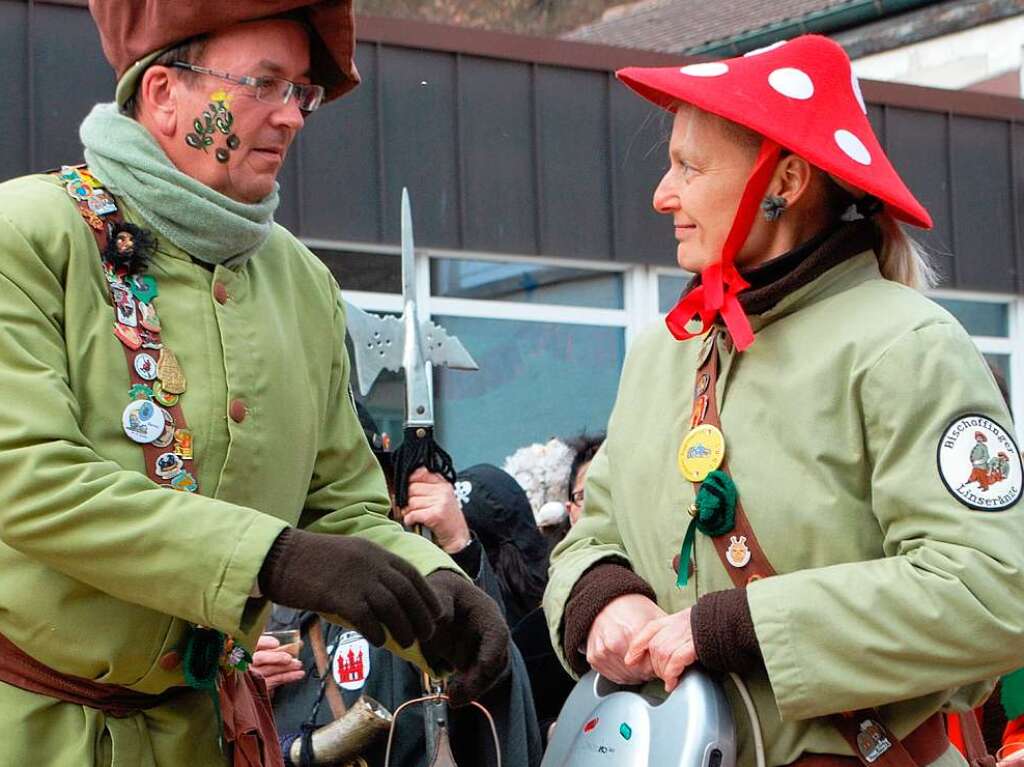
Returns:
(711, 69)
(791, 82)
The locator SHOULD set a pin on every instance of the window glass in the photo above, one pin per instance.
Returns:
(980, 318)
(526, 283)
(670, 287)
(536, 380)
(371, 272)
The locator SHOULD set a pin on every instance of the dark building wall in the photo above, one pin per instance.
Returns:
(520, 145)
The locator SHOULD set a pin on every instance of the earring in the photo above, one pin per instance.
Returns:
(773, 207)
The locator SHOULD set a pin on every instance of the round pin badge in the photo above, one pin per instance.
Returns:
(145, 366)
(979, 463)
(143, 421)
(701, 452)
(168, 465)
(351, 662)
(162, 397)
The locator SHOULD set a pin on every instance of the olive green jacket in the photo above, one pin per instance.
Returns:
(101, 569)
(890, 592)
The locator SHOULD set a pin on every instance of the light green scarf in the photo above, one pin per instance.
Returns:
(202, 222)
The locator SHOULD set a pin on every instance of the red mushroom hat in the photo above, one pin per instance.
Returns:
(799, 95)
(803, 95)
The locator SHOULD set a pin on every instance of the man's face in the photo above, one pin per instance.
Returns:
(224, 136)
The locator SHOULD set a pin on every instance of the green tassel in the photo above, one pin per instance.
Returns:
(201, 666)
(201, 663)
(1012, 695)
(715, 515)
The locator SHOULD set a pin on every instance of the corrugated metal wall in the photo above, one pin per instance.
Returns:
(512, 145)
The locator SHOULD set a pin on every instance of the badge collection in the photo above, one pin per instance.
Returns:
(153, 417)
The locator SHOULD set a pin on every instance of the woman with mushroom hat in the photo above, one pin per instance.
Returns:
(783, 491)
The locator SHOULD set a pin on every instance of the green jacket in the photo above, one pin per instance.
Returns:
(100, 569)
(891, 592)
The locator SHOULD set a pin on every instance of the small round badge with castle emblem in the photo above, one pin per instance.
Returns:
(351, 662)
(979, 463)
(701, 452)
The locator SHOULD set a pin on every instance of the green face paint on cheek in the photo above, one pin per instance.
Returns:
(217, 118)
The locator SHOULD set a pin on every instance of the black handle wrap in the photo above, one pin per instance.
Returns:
(418, 448)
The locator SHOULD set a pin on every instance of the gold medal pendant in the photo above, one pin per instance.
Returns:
(172, 377)
(701, 452)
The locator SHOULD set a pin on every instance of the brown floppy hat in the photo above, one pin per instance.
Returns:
(136, 32)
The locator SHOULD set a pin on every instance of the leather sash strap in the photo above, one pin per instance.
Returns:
(151, 451)
(926, 744)
(245, 708)
(870, 739)
(323, 667)
(21, 670)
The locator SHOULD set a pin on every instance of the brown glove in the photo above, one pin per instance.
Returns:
(473, 641)
(355, 579)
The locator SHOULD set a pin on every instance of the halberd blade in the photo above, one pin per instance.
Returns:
(377, 342)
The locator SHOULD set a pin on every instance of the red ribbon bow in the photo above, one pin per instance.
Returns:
(721, 282)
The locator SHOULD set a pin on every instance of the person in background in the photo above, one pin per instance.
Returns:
(499, 514)
(306, 699)
(584, 447)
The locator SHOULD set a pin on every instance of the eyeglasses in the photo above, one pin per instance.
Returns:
(577, 497)
(269, 90)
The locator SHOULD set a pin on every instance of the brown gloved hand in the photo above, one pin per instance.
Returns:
(473, 641)
(355, 579)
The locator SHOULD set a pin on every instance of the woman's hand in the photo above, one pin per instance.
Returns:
(611, 634)
(667, 643)
(277, 667)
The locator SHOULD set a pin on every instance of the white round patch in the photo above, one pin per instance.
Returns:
(351, 662)
(759, 51)
(855, 83)
(979, 463)
(792, 82)
(711, 69)
(852, 147)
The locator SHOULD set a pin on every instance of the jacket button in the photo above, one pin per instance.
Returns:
(170, 661)
(220, 292)
(237, 410)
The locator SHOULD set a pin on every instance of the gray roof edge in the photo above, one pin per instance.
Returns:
(924, 24)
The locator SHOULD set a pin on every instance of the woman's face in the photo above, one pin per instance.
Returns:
(709, 164)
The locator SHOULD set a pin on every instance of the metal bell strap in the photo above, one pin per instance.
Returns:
(440, 753)
(872, 742)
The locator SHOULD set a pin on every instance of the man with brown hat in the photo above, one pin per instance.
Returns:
(127, 610)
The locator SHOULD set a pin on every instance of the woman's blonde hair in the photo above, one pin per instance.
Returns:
(900, 258)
